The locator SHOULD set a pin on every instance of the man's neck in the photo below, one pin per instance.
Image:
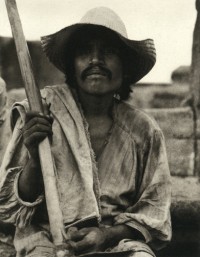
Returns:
(96, 105)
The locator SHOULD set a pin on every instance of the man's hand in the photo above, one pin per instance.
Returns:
(86, 240)
(37, 127)
(95, 239)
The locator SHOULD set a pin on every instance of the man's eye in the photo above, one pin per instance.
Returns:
(111, 51)
(83, 51)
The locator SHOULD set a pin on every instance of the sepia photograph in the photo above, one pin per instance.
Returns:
(100, 128)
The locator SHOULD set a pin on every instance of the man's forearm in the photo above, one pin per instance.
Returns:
(30, 181)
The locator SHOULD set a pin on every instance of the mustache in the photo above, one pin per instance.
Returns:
(99, 69)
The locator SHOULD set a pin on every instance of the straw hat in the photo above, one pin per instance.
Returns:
(141, 54)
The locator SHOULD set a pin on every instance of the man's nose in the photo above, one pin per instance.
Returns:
(96, 56)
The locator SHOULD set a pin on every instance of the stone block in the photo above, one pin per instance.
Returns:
(159, 95)
(180, 154)
(185, 189)
(184, 243)
(185, 207)
(175, 122)
(185, 213)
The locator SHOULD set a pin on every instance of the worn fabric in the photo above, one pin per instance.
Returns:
(129, 185)
(5, 131)
(74, 163)
(39, 244)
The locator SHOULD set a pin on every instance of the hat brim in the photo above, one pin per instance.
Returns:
(141, 54)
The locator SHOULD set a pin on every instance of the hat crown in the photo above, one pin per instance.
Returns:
(105, 17)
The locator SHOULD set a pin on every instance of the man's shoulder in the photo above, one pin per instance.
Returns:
(135, 121)
(56, 94)
(52, 89)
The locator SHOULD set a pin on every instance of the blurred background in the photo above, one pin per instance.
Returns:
(170, 23)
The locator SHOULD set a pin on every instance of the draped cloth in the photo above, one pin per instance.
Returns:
(129, 185)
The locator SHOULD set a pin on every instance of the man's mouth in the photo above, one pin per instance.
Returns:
(96, 72)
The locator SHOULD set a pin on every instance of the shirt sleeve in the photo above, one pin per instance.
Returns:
(12, 208)
(150, 213)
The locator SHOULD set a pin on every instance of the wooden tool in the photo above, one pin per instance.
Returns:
(35, 103)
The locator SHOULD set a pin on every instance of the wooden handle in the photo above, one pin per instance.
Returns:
(35, 102)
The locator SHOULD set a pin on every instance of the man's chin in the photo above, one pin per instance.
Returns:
(99, 93)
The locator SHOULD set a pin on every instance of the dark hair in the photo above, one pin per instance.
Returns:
(74, 43)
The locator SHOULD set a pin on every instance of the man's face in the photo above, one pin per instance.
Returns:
(98, 66)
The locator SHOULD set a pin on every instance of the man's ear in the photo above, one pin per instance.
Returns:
(124, 91)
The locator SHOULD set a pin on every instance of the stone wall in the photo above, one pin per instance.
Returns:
(45, 72)
(177, 125)
(159, 95)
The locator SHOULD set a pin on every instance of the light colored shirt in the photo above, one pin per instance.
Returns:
(129, 185)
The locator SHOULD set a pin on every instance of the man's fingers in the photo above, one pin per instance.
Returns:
(38, 120)
(75, 235)
(35, 137)
(82, 246)
(37, 128)
(32, 114)
(70, 232)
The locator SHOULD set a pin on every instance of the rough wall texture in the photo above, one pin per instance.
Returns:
(159, 95)
(177, 125)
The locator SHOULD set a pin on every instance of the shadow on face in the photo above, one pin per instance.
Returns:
(108, 42)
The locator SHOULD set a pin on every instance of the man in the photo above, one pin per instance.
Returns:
(110, 159)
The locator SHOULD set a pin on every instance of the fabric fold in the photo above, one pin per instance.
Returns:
(129, 185)
(16, 211)
(74, 166)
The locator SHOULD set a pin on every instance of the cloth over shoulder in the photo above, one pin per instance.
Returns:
(129, 185)
(74, 162)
